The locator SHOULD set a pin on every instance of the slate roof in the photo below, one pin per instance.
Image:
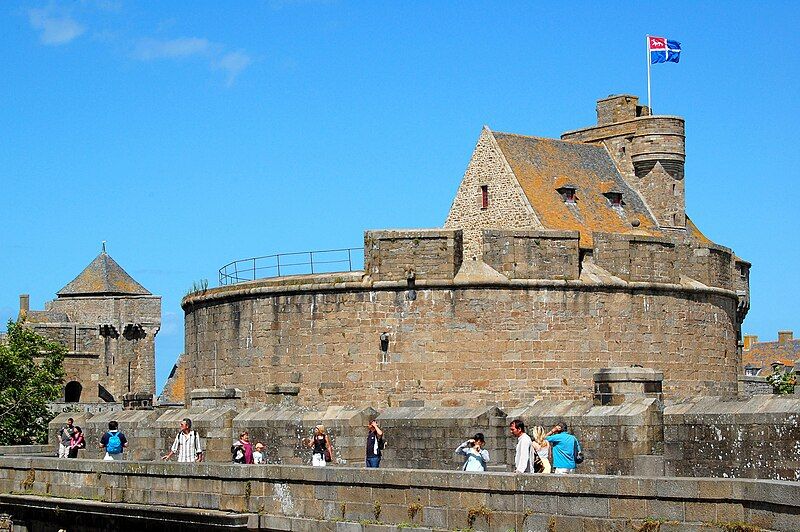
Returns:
(103, 277)
(543, 165)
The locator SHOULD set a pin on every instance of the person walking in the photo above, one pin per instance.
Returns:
(476, 457)
(322, 449)
(76, 443)
(522, 458)
(64, 436)
(113, 442)
(186, 444)
(375, 444)
(542, 448)
(567, 452)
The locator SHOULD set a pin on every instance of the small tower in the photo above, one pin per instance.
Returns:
(649, 152)
(108, 323)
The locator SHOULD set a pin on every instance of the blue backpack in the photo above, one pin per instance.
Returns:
(114, 445)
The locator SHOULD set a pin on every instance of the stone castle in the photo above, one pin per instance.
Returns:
(108, 323)
(558, 258)
(564, 267)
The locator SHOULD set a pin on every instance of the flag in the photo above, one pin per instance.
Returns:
(663, 50)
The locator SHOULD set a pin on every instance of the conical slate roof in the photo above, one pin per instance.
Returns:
(103, 277)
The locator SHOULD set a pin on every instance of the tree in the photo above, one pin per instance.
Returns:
(31, 375)
(782, 380)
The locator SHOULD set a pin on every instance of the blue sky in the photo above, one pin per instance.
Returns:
(191, 134)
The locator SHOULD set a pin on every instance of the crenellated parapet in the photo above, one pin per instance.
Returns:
(532, 254)
(422, 254)
(636, 258)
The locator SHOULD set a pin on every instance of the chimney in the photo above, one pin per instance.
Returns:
(25, 304)
(619, 108)
(784, 337)
(749, 340)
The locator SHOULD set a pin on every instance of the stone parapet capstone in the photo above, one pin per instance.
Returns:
(430, 499)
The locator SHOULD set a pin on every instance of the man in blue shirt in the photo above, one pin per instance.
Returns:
(565, 448)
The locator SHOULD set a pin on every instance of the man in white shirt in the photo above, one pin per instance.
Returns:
(186, 445)
(522, 458)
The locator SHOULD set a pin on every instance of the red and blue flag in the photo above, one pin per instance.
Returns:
(663, 50)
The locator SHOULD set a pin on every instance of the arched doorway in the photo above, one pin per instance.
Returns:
(72, 392)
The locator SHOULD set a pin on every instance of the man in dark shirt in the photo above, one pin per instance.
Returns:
(113, 441)
(375, 444)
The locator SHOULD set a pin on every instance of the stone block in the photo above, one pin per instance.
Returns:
(700, 511)
(668, 510)
(435, 518)
(627, 508)
(730, 512)
(583, 506)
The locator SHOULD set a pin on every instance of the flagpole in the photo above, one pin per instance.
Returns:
(647, 53)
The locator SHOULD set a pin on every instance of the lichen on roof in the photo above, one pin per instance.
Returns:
(103, 276)
(543, 165)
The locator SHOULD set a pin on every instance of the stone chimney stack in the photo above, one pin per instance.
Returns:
(619, 109)
(784, 337)
(749, 340)
(24, 304)
(648, 150)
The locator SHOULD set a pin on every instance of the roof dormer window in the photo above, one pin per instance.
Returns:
(568, 193)
(614, 198)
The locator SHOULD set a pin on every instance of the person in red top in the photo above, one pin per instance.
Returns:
(76, 442)
(242, 449)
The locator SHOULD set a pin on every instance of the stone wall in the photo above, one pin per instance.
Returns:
(305, 498)
(748, 438)
(426, 438)
(110, 342)
(613, 438)
(637, 258)
(530, 254)
(454, 344)
(423, 254)
(151, 432)
(508, 207)
(756, 438)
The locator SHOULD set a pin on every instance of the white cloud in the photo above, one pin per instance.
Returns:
(233, 63)
(55, 30)
(148, 49)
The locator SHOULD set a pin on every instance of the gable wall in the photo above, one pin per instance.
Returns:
(508, 208)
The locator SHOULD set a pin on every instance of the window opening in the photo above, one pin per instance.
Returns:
(568, 194)
(72, 392)
(484, 196)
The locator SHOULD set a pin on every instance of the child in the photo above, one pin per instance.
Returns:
(259, 456)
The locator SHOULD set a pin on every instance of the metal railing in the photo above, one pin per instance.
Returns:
(305, 262)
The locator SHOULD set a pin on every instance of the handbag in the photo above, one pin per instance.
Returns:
(327, 453)
(538, 465)
(578, 453)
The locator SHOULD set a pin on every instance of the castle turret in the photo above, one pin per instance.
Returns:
(648, 150)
